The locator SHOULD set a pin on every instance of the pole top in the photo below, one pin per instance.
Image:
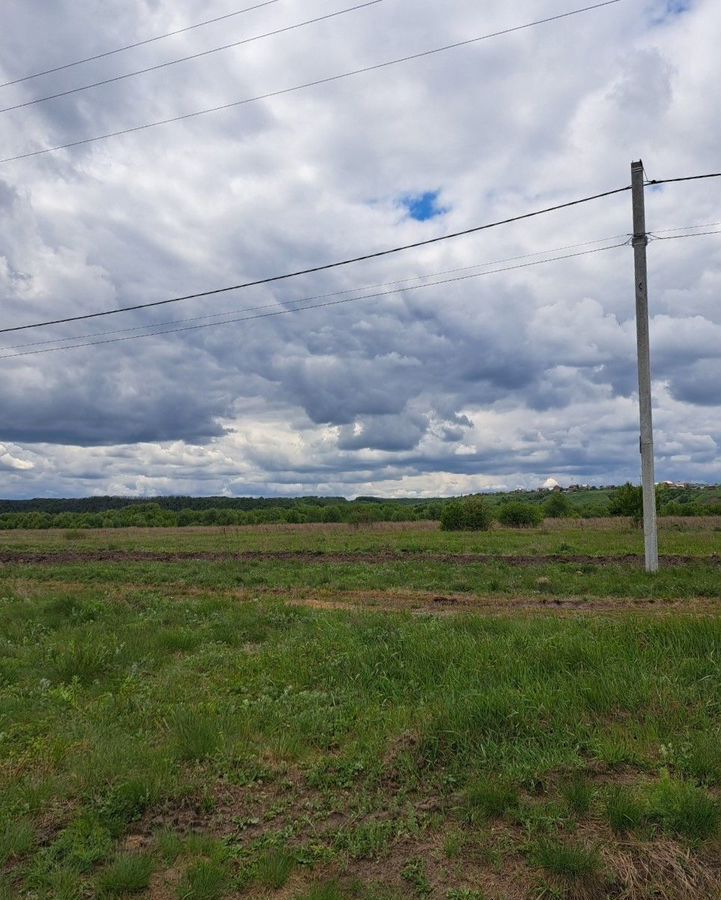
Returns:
(637, 165)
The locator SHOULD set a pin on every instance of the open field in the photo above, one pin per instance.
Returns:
(378, 712)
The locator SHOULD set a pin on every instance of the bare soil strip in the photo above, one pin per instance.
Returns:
(415, 602)
(382, 557)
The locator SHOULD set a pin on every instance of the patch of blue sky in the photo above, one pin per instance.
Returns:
(423, 207)
(668, 10)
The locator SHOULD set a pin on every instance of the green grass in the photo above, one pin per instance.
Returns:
(329, 890)
(204, 880)
(625, 810)
(489, 798)
(578, 794)
(671, 805)
(682, 808)
(274, 868)
(195, 733)
(551, 580)
(566, 860)
(127, 874)
(258, 738)
(17, 839)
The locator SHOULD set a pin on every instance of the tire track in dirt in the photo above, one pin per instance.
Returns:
(71, 557)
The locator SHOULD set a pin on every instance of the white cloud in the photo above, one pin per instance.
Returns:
(489, 382)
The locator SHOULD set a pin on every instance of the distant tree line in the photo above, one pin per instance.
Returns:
(514, 509)
(154, 515)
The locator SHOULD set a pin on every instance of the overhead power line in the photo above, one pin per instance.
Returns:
(687, 227)
(308, 84)
(686, 178)
(367, 287)
(676, 237)
(287, 311)
(158, 37)
(311, 270)
(182, 59)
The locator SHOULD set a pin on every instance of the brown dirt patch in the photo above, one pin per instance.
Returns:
(429, 603)
(381, 557)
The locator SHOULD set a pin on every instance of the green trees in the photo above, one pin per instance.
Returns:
(468, 514)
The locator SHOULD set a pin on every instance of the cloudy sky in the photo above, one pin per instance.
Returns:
(502, 379)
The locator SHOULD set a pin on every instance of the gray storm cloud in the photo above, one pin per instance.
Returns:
(503, 379)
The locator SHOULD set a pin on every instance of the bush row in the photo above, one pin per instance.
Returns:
(475, 513)
(151, 515)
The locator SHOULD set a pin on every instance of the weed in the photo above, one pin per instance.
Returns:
(65, 884)
(327, 890)
(177, 640)
(453, 844)
(702, 758)
(488, 798)
(169, 844)
(367, 841)
(81, 660)
(16, 839)
(566, 860)
(624, 809)
(127, 874)
(196, 734)
(127, 802)
(578, 794)
(205, 880)
(684, 809)
(83, 844)
(414, 872)
(274, 867)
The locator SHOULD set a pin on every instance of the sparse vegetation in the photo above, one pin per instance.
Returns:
(219, 725)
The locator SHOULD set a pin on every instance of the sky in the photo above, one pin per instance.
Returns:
(518, 368)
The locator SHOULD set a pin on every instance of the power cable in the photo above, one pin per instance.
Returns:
(321, 268)
(286, 311)
(174, 62)
(159, 37)
(687, 178)
(308, 84)
(367, 287)
(676, 237)
(687, 227)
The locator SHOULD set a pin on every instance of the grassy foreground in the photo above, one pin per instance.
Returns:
(207, 728)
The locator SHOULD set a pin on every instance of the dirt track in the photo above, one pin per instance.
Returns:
(71, 557)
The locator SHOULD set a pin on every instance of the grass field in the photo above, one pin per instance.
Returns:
(377, 712)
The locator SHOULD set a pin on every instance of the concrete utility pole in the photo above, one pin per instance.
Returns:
(640, 240)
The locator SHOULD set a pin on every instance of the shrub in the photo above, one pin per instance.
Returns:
(557, 506)
(520, 515)
(469, 514)
(627, 501)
